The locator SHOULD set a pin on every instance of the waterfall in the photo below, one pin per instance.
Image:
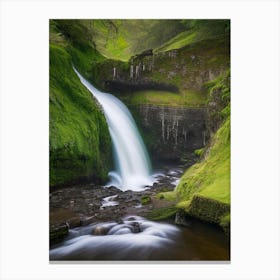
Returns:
(132, 162)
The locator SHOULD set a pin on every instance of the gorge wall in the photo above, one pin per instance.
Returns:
(172, 133)
(178, 70)
(79, 143)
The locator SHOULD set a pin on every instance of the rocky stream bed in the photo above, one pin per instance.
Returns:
(93, 223)
(76, 206)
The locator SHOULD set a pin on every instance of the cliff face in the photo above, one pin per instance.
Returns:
(181, 70)
(204, 189)
(171, 133)
(80, 145)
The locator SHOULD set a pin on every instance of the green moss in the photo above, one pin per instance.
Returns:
(184, 204)
(199, 152)
(145, 200)
(121, 39)
(210, 177)
(219, 93)
(78, 42)
(169, 196)
(225, 220)
(80, 144)
(225, 223)
(208, 181)
(164, 98)
(162, 213)
(183, 39)
(197, 30)
(85, 60)
(207, 209)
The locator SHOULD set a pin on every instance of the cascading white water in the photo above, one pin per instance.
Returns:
(134, 239)
(132, 162)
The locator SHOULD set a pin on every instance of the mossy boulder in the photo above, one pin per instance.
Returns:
(207, 209)
(145, 200)
(162, 213)
(225, 224)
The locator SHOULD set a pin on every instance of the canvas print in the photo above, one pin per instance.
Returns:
(139, 140)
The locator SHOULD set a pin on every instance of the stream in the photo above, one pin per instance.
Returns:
(137, 238)
(106, 224)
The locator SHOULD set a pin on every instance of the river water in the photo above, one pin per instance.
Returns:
(136, 238)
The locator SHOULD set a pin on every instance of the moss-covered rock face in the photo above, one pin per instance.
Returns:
(204, 189)
(218, 100)
(174, 73)
(80, 144)
(208, 209)
(211, 176)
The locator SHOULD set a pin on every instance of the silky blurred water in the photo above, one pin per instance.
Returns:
(132, 161)
(136, 238)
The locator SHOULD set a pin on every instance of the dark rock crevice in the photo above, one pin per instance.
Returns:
(172, 133)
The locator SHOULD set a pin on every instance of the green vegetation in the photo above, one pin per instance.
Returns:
(219, 93)
(196, 31)
(145, 200)
(77, 41)
(169, 196)
(189, 67)
(121, 39)
(204, 189)
(210, 177)
(225, 223)
(181, 40)
(199, 152)
(152, 97)
(79, 139)
(162, 213)
(207, 209)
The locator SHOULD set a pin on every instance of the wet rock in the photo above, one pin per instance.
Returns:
(87, 220)
(119, 221)
(113, 189)
(181, 219)
(88, 200)
(145, 200)
(135, 227)
(74, 222)
(100, 230)
(58, 233)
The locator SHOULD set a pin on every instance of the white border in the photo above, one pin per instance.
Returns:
(24, 138)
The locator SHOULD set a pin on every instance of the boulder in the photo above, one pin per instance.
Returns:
(181, 219)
